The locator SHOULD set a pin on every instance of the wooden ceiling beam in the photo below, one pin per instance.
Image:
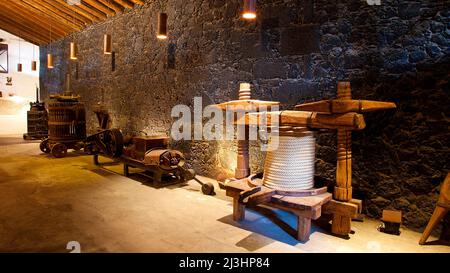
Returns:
(24, 12)
(24, 18)
(66, 9)
(92, 11)
(22, 31)
(139, 2)
(99, 7)
(62, 18)
(78, 10)
(111, 5)
(125, 4)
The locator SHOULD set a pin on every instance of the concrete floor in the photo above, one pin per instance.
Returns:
(47, 202)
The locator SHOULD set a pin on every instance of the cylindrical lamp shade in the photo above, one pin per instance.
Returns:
(162, 26)
(50, 61)
(107, 44)
(33, 66)
(73, 51)
(19, 67)
(249, 9)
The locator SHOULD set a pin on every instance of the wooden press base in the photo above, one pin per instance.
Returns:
(306, 208)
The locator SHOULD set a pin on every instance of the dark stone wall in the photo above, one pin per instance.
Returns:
(295, 52)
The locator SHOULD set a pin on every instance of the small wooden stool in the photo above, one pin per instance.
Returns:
(442, 207)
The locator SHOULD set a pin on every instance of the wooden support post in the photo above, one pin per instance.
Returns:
(303, 228)
(238, 210)
(341, 225)
(343, 188)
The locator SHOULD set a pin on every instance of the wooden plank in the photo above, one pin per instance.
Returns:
(393, 216)
(357, 202)
(125, 4)
(349, 121)
(20, 32)
(340, 208)
(112, 5)
(139, 2)
(25, 14)
(99, 7)
(68, 10)
(92, 11)
(260, 197)
(55, 13)
(79, 10)
(345, 106)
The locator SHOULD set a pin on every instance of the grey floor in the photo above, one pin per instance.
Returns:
(47, 202)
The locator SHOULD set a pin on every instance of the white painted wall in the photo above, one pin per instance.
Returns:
(13, 110)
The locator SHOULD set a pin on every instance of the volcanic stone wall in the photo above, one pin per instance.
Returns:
(296, 51)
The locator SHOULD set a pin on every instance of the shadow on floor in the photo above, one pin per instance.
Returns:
(438, 242)
(276, 225)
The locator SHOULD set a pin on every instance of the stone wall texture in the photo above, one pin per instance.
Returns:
(296, 51)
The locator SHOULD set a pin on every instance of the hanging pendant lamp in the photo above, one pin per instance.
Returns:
(50, 61)
(19, 65)
(73, 46)
(49, 55)
(249, 10)
(162, 26)
(107, 44)
(33, 62)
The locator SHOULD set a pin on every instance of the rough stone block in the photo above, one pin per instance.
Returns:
(300, 40)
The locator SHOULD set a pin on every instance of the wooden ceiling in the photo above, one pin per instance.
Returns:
(32, 20)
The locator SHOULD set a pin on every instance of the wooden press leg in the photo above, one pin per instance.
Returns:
(238, 210)
(438, 214)
(341, 225)
(303, 228)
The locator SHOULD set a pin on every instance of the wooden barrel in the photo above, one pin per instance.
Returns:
(66, 121)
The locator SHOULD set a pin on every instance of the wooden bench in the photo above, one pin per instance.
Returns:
(306, 208)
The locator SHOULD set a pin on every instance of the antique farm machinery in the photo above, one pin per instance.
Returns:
(66, 125)
(149, 153)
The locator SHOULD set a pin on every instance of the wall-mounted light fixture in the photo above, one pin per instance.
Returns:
(50, 64)
(249, 12)
(73, 51)
(162, 26)
(107, 44)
